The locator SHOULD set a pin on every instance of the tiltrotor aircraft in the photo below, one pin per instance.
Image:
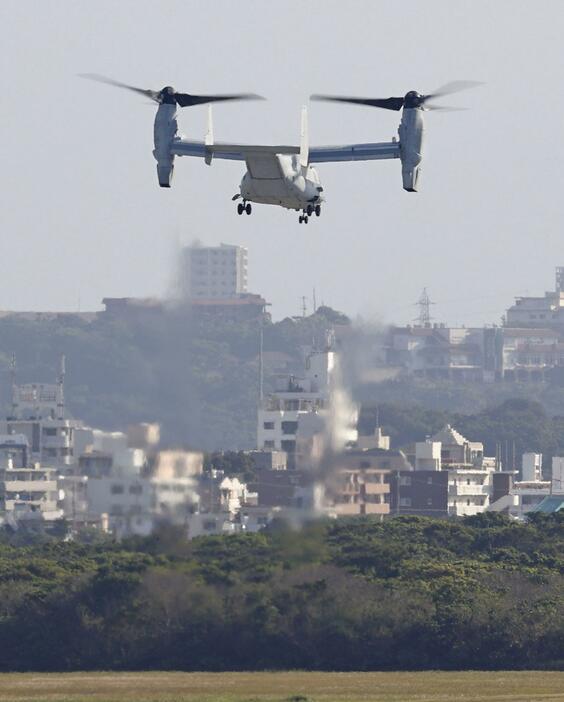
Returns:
(283, 175)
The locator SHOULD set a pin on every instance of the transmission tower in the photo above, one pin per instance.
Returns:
(424, 303)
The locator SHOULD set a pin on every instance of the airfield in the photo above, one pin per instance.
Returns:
(277, 687)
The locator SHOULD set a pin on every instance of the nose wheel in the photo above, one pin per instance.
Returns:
(244, 207)
(303, 219)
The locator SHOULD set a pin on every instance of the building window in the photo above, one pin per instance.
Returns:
(405, 501)
(365, 464)
(268, 425)
(289, 427)
(135, 489)
(405, 480)
(49, 431)
(117, 489)
(288, 446)
(269, 444)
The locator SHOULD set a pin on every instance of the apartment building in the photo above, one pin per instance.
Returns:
(451, 477)
(211, 272)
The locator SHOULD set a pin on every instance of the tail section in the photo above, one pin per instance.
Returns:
(304, 140)
(209, 137)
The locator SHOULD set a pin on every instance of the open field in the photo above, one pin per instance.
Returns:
(275, 687)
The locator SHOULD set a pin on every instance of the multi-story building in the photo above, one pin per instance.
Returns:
(213, 271)
(28, 492)
(546, 311)
(142, 490)
(452, 477)
(438, 351)
(303, 410)
(38, 413)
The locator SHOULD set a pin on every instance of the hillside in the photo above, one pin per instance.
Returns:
(198, 377)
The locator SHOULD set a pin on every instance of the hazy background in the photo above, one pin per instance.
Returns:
(82, 216)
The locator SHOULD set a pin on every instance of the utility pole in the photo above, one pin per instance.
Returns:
(314, 302)
(261, 367)
(13, 378)
(424, 303)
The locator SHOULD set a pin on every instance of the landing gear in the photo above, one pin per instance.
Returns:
(244, 207)
(317, 210)
(240, 208)
(309, 210)
(248, 208)
(303, 218)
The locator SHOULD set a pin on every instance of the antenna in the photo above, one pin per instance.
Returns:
(424, 303)
(61, 389)
(314, 302)
(304, 306)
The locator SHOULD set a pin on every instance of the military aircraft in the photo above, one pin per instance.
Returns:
(283, 175)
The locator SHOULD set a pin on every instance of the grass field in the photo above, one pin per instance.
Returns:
(275, 687)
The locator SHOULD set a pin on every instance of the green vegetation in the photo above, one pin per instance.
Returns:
(409, 593)
(283, 687)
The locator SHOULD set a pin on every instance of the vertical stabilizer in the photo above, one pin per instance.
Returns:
(304, 140)
(209, 137)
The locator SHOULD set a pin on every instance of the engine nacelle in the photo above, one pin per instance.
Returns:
(165, 130)
(411, 132)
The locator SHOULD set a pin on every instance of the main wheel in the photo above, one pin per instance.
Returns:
(309, 210)
(248, 208)
(317, 210)
(300, 219)
(240, 208)
(306, 219)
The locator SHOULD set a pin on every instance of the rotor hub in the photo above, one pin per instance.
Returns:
(413, 99)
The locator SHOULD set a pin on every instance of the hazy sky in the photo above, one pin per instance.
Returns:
(82, 216)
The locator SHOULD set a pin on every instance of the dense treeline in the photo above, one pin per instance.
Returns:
(409, 593)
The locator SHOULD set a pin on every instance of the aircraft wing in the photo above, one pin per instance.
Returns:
(354, 152)
(317, 154)
(230, 152)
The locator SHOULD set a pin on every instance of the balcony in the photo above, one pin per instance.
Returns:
(376, 488)
(463, 489)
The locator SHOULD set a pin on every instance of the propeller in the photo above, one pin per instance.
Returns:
(169, 95)
(412, 99)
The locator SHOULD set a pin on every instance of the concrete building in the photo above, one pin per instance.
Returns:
(307, 415)
(141, 491)
(451, 477)
(28, 493)
(437, 351)
(209, 272)
(38, 413)
(546, 311)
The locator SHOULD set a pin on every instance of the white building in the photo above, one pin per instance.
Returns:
(142, 490)
(28, 494)
(213, 271)
(307, 406)
(540, 311)
(38, 412)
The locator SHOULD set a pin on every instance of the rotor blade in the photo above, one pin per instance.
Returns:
(442, 108)
(393, 103)
(153, 94)
(186, 100)
(453, 87)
